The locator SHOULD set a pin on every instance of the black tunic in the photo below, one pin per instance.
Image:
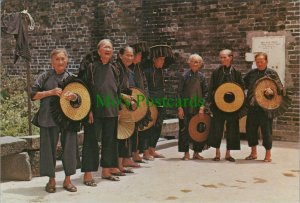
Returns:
(253, 75)
(126, 77)
(139, 77)
(193, 85)
(105, 87)
(155, 81)
(47, 81)
(220, 76)
(101, 80)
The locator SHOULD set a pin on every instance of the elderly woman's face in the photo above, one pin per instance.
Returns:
(261, 62)
(59, 62)
(106, 51)
(137, 58)
(159, 62)
(225, 59)
(195, 64)
(127, 57)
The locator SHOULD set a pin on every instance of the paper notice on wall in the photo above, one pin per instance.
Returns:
(274, 46)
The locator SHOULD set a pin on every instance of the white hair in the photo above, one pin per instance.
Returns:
(58, 51)
(104, 41)
(228, 52)
(196, 56)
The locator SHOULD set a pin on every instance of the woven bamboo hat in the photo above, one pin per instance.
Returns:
(263, 99)
(161, 51)
(199, 127)
(140, 47)
(141, 110)
(125, 127)
(76, 111)
(154, 113)
(229, 97)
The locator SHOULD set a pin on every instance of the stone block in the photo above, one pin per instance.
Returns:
(33, 142)
(11, 145)
(16, 167)
(170, 127)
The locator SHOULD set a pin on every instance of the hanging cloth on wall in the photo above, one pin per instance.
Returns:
(15, 24)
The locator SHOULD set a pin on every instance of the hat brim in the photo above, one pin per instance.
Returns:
(232, 88)
(260, 97)
(193, 127)
(80, 112)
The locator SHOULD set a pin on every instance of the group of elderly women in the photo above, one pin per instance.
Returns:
(102, 76)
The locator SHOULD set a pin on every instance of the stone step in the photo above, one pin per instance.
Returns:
(11, 145)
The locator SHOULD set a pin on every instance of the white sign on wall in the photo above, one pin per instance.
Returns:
(274, 46)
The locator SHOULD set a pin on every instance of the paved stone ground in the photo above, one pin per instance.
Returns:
(173, 180)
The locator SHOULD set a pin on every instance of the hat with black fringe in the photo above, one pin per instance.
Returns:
(161, 51)
(140, 47)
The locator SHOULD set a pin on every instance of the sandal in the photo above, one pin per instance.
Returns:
(50, 188)
(70, 188)
(267, 160)
(216, 159)
(159, 156)
(118, 174)
(90, 183)
(231, 159)
(127, 171)
(251, 157)
(148, 158)
(134, 165)
(198, 157)
(139, 161)
(111, 178)
(185, 158)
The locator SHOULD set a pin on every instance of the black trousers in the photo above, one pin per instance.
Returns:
(135, 140)
(124, 148)
(48, 142)
(184, 139)
(104, 129)
(144, 140)
(232, 133)
(256, 118)
(156, 129)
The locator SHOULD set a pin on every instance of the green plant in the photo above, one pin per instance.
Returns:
(13, 107)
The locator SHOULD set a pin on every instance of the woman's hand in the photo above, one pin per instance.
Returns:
(56, 92)
(201, 110)
(269, 91)
(133, 103)
(91, 118)
(70, 96)
(180, 113)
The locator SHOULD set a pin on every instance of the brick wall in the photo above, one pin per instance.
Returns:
(191, 26)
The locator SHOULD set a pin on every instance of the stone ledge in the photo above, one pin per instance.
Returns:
(33, 142)
(11, 145)
(170, 127)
